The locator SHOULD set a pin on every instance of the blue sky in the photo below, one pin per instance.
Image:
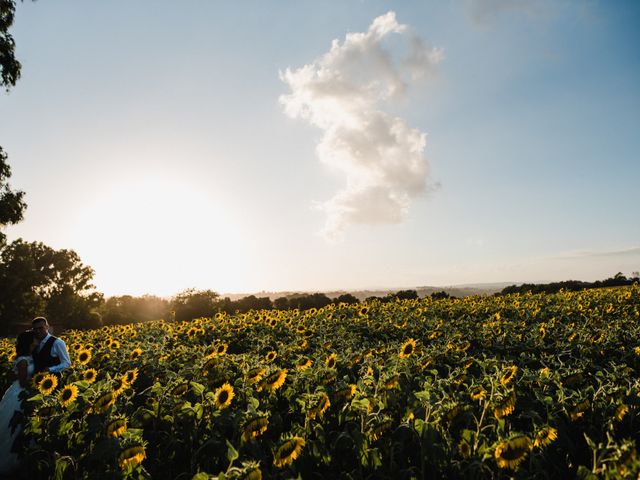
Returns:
(151, 137)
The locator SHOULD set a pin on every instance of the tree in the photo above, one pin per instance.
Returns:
(38, 280)
(128, 309)
(347, 298)
(11, 202)
(281, 303)
(193, 303)
(9, 65)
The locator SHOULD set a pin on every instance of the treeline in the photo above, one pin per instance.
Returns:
(193, 303)
(618, 280)
(36, 279)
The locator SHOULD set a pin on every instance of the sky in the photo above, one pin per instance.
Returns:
(317, 146)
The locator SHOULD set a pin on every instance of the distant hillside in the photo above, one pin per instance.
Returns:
(453, 290)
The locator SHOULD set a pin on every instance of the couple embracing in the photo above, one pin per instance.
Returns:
(36, 351)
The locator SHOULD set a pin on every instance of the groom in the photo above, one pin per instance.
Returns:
(51, 353)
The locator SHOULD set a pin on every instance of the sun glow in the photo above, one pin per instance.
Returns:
(158, 234)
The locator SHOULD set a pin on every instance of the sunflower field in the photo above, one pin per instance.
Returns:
(524, 386)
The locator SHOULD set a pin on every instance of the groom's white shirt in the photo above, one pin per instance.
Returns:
(59, 350)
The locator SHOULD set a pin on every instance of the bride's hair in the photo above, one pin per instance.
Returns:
(23, 343)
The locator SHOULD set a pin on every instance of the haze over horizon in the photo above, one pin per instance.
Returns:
(326, 146)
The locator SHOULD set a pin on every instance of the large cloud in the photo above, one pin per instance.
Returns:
(343, 93)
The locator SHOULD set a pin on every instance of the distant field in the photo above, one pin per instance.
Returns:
(536, 386)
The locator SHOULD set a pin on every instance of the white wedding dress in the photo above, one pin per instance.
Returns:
(8, 406)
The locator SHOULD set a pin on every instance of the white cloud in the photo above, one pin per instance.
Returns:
(343, 92)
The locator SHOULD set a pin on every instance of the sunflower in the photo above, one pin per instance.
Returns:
(320, 407)
(254, 375)
(303, 363)
(378, 429)
(104, 402)
(508, 375)
(180, 389)
(252, 473)
(68, 395)
(115, 428)
(131, 456)
(192, 332)
(271, 356)
(131, 376)
(511, 453)
(464, 449)
(84, 356)
(223, 396)
(120, 385)
(621, 411)
(37, 378)
(302, 343)
(253, 427)
(637, 350)
(221, 348)
(392, 382)
(48, 384)
(46, 411)
(545, 436)
(135, 353)
(274, 381)
(327, 378)
(478, 393)
(346, 393)
(114, 345)
(363, 311)
(90, 375)
(330, 361)
(505, 407)
(579, 409)
(288, 451)
(407, 348)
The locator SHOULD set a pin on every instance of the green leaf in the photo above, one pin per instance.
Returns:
(200, 476)
(585, 474)
(232, 453)
(468, 435)
(424, 396)
(197, 388)
(61, 465)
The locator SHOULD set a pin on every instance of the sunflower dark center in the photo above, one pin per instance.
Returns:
(513, 453)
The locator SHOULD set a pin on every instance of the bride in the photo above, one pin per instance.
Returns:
(10, 404)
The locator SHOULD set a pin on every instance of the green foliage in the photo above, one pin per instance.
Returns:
(124, 309)
(12, 203)
(193, 303)
(38, 280)
(9, 65)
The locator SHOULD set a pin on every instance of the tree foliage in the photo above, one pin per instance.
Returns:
(37, 280)
(9, 65)
(12, 203)
(618, 280)
(192, 303)
(128, 309)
